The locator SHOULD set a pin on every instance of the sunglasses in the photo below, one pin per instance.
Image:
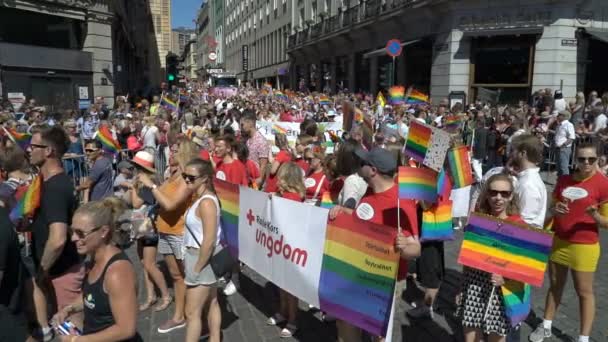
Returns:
(189, 178)
(38, 146)
(90, 150)
(503, 194)
(83, 235)
(583, 160)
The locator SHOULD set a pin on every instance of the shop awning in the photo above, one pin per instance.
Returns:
(598, 34)
(382, 51)
(504, 32)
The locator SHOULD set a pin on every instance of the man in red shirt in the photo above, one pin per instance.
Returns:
(229, 168)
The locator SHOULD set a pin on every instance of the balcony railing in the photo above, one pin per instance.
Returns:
(351, 16)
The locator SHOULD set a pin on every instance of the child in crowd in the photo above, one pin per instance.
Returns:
(252, 169)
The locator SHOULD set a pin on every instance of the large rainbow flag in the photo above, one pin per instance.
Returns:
(416, 97)
(358, 273)
(515, 251)
(460, 167)
(418, 141)
(418, 183)
(28, 203)
(108, 142)
(229, 195)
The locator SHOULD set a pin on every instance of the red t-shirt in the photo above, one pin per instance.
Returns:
(292, 196)
(272, 180)
(578, 226)
(233, 172)
(381, 208)
(303, 164)
(133, 143)
(205, 155)
(253, 171)
(312, 183)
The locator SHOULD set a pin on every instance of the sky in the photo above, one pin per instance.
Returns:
(183, 12)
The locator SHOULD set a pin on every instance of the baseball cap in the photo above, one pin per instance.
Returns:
(380, 158)
(124, 165)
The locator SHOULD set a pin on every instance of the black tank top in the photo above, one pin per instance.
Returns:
(97, 311)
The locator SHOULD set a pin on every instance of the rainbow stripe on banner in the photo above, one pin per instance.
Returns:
(358, 273)
(515, 251)
(276, 129)
(108, 142)
(229, 195)
(517, 300)
(437, 222)
(22, 140)
(324, 100)
(418, 141)
(416, 97)
(28, 203)
(326, 201)
(418, 184)
(396, 95)
(460, 167)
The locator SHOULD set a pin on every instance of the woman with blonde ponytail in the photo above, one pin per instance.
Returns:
(109, 294)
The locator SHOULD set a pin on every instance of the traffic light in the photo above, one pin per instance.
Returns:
(386, 75)
(171, 67)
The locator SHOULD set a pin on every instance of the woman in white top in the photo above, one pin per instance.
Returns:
(201, 240)
(150, 134)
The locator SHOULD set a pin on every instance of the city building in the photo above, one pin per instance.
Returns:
(205, 41)
(179, 38)
(256, 33)
(189, 60)
(161, 17)
(217, 16)
(503, 50)
(72, 51)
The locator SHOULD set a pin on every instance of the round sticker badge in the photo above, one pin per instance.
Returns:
(310, 182)
(220, 175)
(365, 211)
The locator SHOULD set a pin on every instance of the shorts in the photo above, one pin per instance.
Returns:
(68, 286)
(171, 244)
(149, 240)
(577, 256)
(430, 265)
(205, 277)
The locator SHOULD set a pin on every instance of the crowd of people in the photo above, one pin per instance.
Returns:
(67, 263)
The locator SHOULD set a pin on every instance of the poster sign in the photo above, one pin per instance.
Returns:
(292, 130)
(17, 100)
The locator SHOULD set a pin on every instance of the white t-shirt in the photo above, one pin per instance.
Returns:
(564, 132)
(600, 123)
(559, 105)
(149, 136)
(532, 194)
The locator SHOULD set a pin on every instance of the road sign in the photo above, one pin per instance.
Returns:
(212, 56)
(394, 48)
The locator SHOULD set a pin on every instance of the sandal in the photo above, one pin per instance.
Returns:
(276, 319)
(166, 301)
(289, 330)
(145, 306)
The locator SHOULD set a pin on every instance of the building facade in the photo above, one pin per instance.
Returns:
(503, 50)
(161, 17)
(189, 60)
(256, 33)
(180, 37)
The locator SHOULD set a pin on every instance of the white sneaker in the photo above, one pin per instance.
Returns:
(230, 289)
(539, 334)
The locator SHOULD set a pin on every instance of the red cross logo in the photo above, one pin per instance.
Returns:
(250, 217)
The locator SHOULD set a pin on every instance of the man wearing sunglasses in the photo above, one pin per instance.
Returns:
(99, 180)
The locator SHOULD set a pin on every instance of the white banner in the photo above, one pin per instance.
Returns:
(292, 130)
(283, 241)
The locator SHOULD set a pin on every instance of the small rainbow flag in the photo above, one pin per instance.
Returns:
(279, 94)
(444, 185)
(516, 297)
(28, 203)
(108, 142)
(326, 201)
(418, 183)
(380, 99)
(515, 251)
(22, 140)
(452, 123)
(418, 141)
(358, 273)
(460, 167)
(276, 129)
(437, 222)
(333, 136)
(416, 97)
(169, 104)
(396, 95)
(324, 100)
(229, 195)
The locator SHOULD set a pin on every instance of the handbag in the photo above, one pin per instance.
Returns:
(221, 262)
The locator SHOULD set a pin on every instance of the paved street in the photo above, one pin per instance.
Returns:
(246, 312)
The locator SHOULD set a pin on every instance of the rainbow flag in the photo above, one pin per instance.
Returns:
(229, 195)
(418, 141)
(380, 99)
(326, 201)
(460, 167)
(396, 95)
(444, 185)
(437, 222)
(28, 203)
(324, 100)
(279, 94)
(108, 142)
(452, 123)
(276, 129)
(22, 140)
(416, 97)
(358, 273)
(169, 104)
(418, 184)
(516, 296)
(515, 251)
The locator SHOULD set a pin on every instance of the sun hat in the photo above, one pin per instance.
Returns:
(144, 159)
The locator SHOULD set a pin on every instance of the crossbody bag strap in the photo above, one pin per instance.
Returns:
(314, 197)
